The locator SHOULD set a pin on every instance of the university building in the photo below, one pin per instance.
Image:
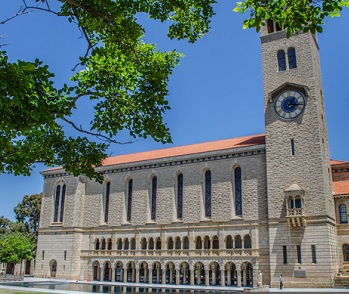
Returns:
(236, 212)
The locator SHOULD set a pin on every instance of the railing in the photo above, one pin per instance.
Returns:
(295, 212)
(174, 252)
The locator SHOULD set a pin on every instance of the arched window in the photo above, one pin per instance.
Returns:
(151, 244)
(281, 60)
(296, 203)
(158, 243)
(198, 242)
(270, 24)
(292, 60)
(215, 242)
(185, 243)
(119, 244)
(133, 244)
(153, 197)
(343, 217)
(170, 243)
(126, 244)
(345, 252)
(178, 243)
(207, 194)
(238, 242)
(238, 191)
(97, 244)
(247, 242)
(106, 202)
(103, 244)
(59, 203)
(229, 242)
(272, 27)
(110, 244)
(207, 244)
(180, 196)
(143, 244)
(129, 200)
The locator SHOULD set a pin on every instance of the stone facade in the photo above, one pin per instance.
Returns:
(233, 212)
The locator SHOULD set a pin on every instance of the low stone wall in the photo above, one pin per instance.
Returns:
(8, 278)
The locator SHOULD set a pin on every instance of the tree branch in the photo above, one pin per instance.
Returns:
(97, 135)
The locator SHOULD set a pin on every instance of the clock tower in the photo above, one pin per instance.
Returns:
(301, 216)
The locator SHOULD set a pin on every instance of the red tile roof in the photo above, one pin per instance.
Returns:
(187, 150)
(341, 188)
(333, 161)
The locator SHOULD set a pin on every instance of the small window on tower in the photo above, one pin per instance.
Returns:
(292, 147)
(270, 26)
(292, 60)
(281, 60)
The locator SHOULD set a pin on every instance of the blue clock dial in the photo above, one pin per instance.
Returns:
(289, 104)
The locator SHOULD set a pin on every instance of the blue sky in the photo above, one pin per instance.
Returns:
(215, 93)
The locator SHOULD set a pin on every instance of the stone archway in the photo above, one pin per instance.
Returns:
(156, 273)
(119, 272)
(53, 268)
(215, 273)
(170, 273)
(184, 273)
(96, 271)
(107, 272)
(199, 273)
(230, 274)
(143, 272)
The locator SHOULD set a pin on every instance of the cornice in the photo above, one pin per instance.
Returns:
(166, 162)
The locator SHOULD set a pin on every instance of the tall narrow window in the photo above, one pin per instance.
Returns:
(106, 202)
(270, 24)
(292, 147)
(343, 219)
(180, 196)
(65, 255)
(59, 203)
(153, 197)
(313, 254)
(129, 200)
(208, 194)
(238, 191)
(292, 60)
(299, 254)
(284, 254)
(281, 60)
(345, 252)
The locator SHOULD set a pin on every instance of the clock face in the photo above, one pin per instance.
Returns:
(289, 104)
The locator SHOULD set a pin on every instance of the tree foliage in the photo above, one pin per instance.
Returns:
(124, 77)
(15, 247)
(28, 213)
(291, 15)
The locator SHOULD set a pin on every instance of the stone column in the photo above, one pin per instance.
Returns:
(207, 277)
(185, 273)
(134, 275)
(137, 275)
(157, 275)
(150, 280)
(222, 278)
(214, 276)
(198, 278)
(244, 280)
(229, 277)
(164, 276)
(113, 273)
(145, 275)
(238, 275)
(171, 276)
(177, 276)
(101, 274)
(192, 272)
(124, 271)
